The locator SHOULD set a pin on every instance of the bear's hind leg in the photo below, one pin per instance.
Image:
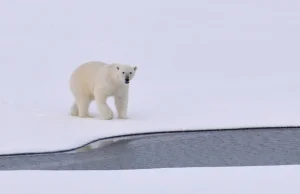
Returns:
(74, 109)
(83, 104)
(103, 108)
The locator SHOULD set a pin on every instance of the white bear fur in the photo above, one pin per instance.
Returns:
(97, 81)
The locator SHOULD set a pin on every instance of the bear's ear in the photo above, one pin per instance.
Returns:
(118, 67)
(135, 68)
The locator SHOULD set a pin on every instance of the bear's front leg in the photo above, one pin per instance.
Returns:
(121, 103)
(103, 108)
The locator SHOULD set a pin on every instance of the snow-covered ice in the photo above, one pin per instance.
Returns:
(233, 180)
(202, 65)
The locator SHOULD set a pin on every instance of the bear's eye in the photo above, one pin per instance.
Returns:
(123, 72)
(130, 72)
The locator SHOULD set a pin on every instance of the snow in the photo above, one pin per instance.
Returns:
(229, 180)
(202, 65)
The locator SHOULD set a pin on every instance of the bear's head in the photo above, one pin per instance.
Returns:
(125, 72)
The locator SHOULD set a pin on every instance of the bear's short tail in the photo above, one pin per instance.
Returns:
(74, 110)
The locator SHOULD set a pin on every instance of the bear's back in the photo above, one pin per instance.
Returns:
(89, 69)
(85, 76)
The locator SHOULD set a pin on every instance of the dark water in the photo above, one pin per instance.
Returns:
(192, 149)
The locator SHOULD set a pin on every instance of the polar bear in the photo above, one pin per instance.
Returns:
(97, 81)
